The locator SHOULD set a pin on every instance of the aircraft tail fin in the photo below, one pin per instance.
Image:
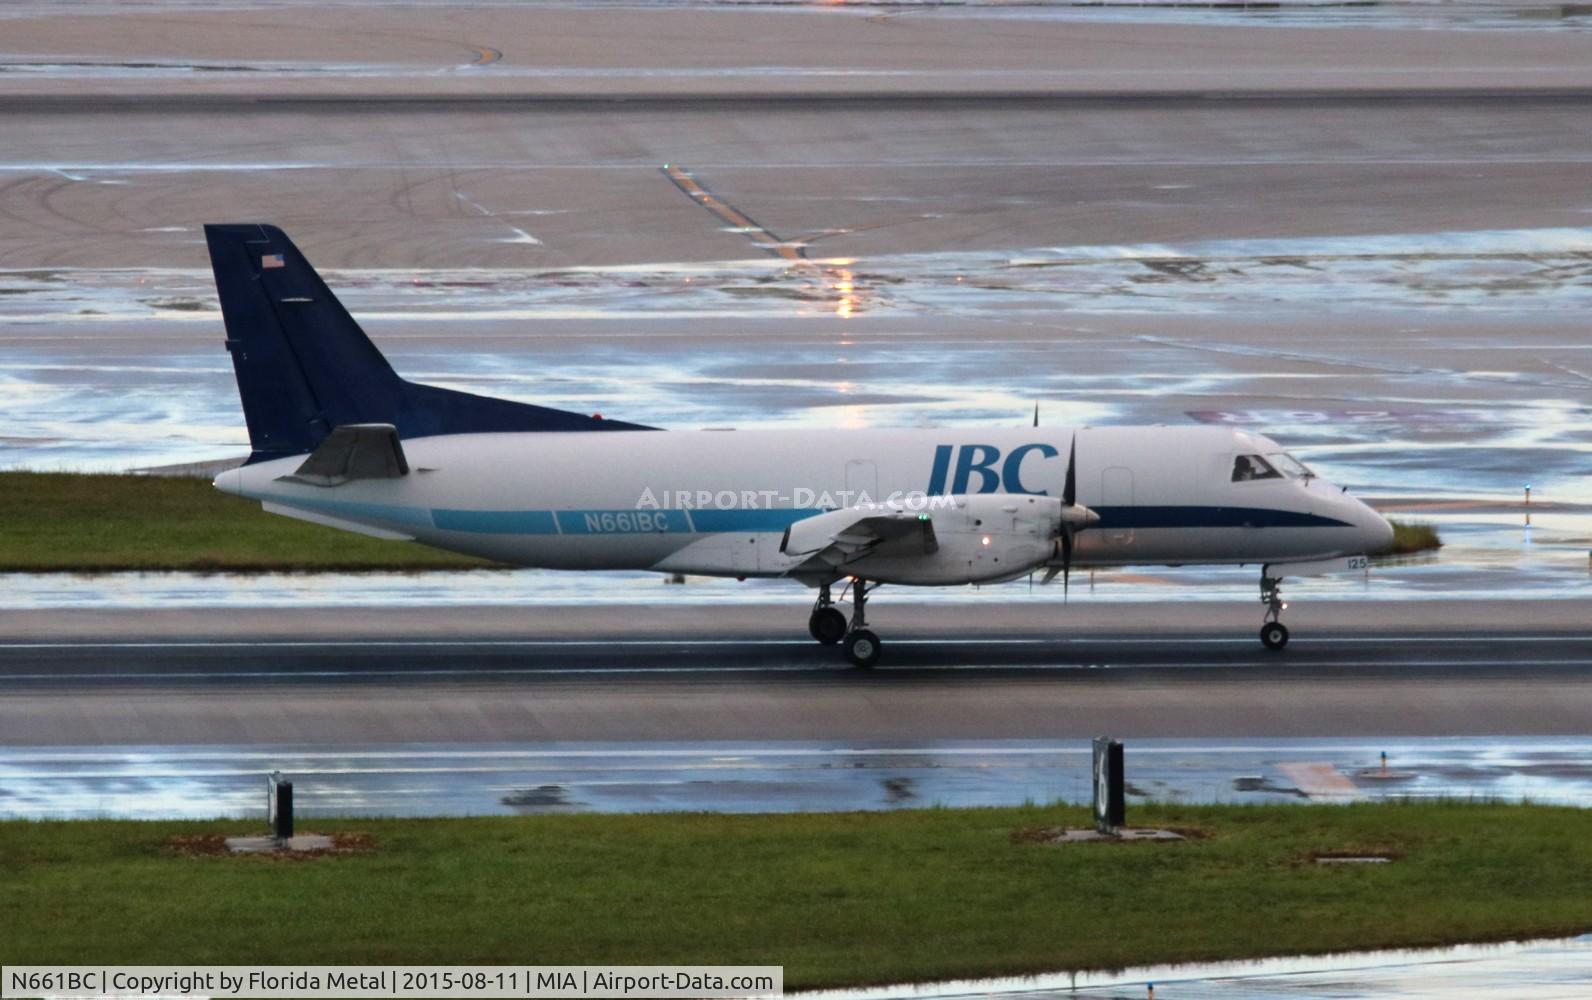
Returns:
(304, 367)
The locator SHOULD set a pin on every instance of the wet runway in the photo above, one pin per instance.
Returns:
(476, 710)
(1528, 970)
(467, 779)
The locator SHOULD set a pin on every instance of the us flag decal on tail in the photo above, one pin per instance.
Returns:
(272, 260)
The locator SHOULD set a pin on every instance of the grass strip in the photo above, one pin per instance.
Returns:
(1410, 537)
(838, 899)
(69, 522)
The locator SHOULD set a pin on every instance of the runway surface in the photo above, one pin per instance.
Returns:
(1526, 970)
(1411, 655)
(642, 708)
(369, 49)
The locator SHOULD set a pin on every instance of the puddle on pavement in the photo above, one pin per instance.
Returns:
(1522, 969)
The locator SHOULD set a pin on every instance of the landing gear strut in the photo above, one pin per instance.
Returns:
(862, 646)
(1273, 633)
(827, 624)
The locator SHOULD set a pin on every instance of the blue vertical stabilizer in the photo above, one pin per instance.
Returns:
(304, 366)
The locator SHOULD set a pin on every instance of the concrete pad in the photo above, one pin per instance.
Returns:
(302, 843)
(1125, 834)
(1377, 775)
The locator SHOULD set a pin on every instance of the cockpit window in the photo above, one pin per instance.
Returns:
(1250, 467)
(1290, 466)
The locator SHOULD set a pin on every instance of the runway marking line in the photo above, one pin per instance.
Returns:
(729, 213)
(837, 669)
(641, 643)
(168, 168)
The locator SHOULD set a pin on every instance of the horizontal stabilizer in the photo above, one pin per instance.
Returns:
(354, 451)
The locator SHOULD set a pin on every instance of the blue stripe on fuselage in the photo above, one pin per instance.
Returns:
(679, 521)
(1211, 517)
(771, 519)
(496, 522)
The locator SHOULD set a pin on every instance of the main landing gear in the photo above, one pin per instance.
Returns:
(829, 625)
(1273, 633)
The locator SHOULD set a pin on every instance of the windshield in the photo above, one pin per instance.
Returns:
(1290, 466)
(1251, 467)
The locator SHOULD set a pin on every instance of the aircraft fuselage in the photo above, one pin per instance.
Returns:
(720, 502)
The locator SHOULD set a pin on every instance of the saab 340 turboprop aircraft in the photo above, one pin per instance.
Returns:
(339, 439)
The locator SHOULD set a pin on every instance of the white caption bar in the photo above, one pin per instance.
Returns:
(403, 981)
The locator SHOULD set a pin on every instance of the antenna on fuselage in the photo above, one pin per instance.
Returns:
(1036, 413)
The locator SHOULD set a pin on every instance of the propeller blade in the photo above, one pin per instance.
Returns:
(1066, 563)
(1069, 492)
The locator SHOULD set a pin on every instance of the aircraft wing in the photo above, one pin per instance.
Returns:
(832, 539)
(354, 451)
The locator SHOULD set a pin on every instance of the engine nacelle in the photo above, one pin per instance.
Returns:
(981, 538)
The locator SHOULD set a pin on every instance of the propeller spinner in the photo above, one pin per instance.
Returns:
(1074, 518)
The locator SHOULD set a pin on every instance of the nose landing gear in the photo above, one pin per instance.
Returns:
(1273, 633)
(862, 646)
(829, 625)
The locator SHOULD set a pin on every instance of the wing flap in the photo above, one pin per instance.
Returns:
(840, 536)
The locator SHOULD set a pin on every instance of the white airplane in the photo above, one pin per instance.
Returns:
(339, 439)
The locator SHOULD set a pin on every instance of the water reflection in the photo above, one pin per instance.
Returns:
(464, 779)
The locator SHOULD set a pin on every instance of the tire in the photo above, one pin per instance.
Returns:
(862, 648)
(1274, 635)
(828, 625)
